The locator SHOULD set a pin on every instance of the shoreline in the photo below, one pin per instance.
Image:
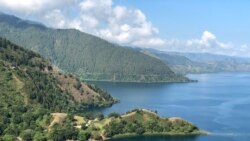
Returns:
(198, 133)
(142, 82)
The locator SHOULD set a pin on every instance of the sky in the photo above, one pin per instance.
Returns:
(211, 26)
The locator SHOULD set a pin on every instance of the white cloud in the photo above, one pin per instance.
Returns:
(151, 42)
(208, 36)
(207, 43)
(56, 17)
(122, 25)
(208, 40)
(91, 22)
(30, 7)
(116, 23)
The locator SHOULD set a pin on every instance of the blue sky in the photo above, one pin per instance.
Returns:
(213, 26)
(184, 19)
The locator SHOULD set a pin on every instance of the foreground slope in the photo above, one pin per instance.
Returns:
(30, 89)
(85, 55)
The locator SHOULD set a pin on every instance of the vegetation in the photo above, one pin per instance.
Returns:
(31, 89)
(139, 122)
(146, 122)
(85, 55)
(37, 102)
(38, 82)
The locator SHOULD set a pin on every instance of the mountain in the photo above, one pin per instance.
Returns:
(34, 94)
(32, 80)
(87, 56)
(208, 57)
(184, 63)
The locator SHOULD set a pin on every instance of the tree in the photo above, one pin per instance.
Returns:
(114, 128)
(1, 128)
(40, 137)
(78, 85)
(96, 137)
(100, 116)
(70, 117)
(89, 116)
(150, 125)
(50, 68)
(57, 135)
(115, 115)
(83, 135)
(140, 130)
(27, 135)
(7, 137)
(63, 132)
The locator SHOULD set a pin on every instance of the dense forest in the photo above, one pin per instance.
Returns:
(31, 89)
(44, 84)
(85, 55)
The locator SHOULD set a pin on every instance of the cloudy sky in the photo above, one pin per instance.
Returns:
(214, 26)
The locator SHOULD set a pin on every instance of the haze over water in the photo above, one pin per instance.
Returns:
(218, 103)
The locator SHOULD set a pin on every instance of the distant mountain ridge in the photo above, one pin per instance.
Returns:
(14, 21)
(85, 55)
(185, 63)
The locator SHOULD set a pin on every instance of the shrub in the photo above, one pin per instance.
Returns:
(115, 115)
(27, 135)
(100, 116)
(78, 85)
(40, 137)
(7, 137)
(83, 136)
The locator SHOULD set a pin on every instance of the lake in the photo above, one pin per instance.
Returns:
(218, 103)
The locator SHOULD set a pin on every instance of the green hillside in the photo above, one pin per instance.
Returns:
(31, 88)
(133, 123)
(38, 102)
(85, 55)
(145, 122)
(30, 79)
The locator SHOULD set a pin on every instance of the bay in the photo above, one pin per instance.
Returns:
(218, 103)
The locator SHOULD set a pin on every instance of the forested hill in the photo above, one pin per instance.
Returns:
(85, 55)
(28, 79)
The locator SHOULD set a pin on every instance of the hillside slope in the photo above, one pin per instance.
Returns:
(85, 55)
(27, 75)
(134, 123)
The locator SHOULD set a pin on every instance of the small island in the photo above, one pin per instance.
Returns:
(133, 123)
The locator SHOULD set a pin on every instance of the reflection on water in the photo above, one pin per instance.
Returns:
(175, 138)
(159, 138)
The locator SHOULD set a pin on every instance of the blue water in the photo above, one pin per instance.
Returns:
(218, 103)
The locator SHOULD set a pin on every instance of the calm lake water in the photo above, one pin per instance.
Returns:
(218, 103)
